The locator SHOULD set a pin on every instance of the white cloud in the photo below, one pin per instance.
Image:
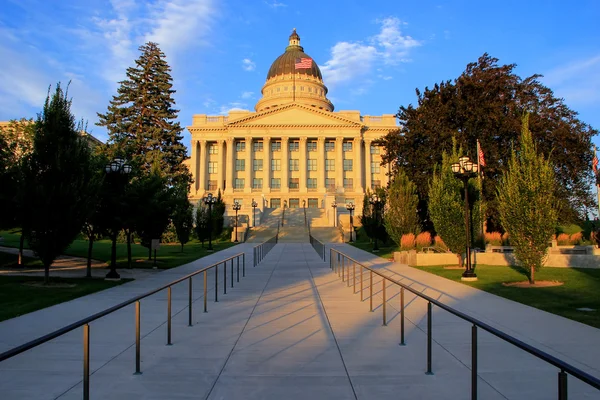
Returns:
(233, 106)
(352, 60)
(248, 64)
(577, 82)
(275, 4)
(247, 95)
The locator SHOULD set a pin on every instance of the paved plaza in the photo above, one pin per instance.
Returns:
(291, 329)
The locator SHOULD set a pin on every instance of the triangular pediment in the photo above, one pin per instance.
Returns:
(293, 114)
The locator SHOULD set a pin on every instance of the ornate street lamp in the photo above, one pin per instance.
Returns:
(117, 170)
(375, 202)
(464, 170)
(254, 205)
(334, 206)
(350, 207)
(236, 206)
(283, 214)
(209, 200)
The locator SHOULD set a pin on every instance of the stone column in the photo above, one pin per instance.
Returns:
(203, 162)
(368, 183)
(358, 166)
(303, 165)
(339, 167)
(249, 166)
(194, 166)
(285, 166)
(230, 164)
(267, 164)
(321, 165)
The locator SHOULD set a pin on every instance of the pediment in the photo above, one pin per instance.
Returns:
(293, 114)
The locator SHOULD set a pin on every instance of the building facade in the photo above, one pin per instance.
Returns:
(293, 150)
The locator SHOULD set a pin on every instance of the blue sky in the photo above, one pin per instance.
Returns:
(373, 54)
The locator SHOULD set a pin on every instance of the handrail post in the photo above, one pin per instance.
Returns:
(474, 362)
(169, 316)
(137, 338)
(86, 362)
(562, 385)
(205, 290)
(343, 268)
(362, 294)
(384, 303)
(429, 339)
(243, 265)
(371, 289)
(232, 272)
(237, 262)
(402, 343)
(225, 277)
(190, 303)
(216, 267)
(354, 277)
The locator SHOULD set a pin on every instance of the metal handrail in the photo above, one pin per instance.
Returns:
(86, 321)
(316, 244)
(260, 251)
(338, 264)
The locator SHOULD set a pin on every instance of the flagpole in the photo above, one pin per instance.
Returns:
(480, 193)
(597, 183)
(294, 91)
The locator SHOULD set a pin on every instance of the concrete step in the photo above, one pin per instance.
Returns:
(293, 234)
(327, 234)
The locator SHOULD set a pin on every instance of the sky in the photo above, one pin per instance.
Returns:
(373, 55)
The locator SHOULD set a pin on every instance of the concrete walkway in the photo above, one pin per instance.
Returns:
(291, 329)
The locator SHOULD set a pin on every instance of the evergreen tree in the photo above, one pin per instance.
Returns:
(201, 219)
(182, 217)
(59, 181)
(141, 119)
(527, 203)
(401, 208)
(218, 216)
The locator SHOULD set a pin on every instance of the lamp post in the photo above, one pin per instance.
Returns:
(334, 206)
(350, 208)
(209, 200)
(117, 170)
(254, 205)
(375, 202)
(464, 170)
(236, 207)
(283, 214)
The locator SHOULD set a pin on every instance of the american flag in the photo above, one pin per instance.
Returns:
(595, 162)
(303, 63)
(480, 153)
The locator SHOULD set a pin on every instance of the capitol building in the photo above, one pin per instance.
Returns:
(294, 149)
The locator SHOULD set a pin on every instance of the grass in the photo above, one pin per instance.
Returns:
(168, 256)
(18, 299)
(386, 250)
(8, 260)
(581, 288)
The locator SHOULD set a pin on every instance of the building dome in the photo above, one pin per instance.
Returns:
(288, 84)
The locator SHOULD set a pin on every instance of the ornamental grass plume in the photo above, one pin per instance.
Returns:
(576, 238)
(563, 239)
(493, 238)
(407, 241)
(439, 242)
(423, 240)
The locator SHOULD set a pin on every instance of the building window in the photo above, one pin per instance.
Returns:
(294, 165)
(212, 167)
(312, 165)
(239, 201)
(239, 183)
(374, 149)
(240, 146)
(329, 145)
(294, 145)
(275, 203)
(257, 183)
(294, 203)
(348, 183)
(310, 89)
(276, 145)
(294, 183)
(275, 165)
(347, 165)
(258, 146)
(311, 145)
(212, 185)
(313, 203)
(311, 183)
(258, 165)
(240, 165)
(329, 165)
(375, 183)
(302, 88)
(374, 167)
(347, 146)
(213, 148)
(330, 183)
(276, 183)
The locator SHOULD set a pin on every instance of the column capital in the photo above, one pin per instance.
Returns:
(285, 139)
(339, 139)
(228, 140)
(303, 139)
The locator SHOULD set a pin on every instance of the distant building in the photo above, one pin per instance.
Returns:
(91, 140)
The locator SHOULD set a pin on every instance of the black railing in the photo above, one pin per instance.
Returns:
(86, 321)
(317, 245)
(263, 249)
(342, 264)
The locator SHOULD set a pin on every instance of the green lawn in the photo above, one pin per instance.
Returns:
(581, 289)
(384, 251)
(18, 298)
(168, 256)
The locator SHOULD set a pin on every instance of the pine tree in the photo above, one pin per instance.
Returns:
(401, 209)
(141, 120)
(59, 181)
(527, 203)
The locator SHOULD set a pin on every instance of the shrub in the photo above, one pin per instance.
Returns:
(407, 241)
(493, 238)
(440, 243)
(576, 238)
(423, 240)
(169, 235)
(563, 239)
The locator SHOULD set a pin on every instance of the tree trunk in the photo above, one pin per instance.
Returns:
(46, 274)
(150, 253)
(532, 276)
(182, 247)
(21, 245)
(128, 248)
(88, 273)
(460, 260)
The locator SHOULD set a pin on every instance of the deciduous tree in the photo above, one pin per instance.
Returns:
(401, 208)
